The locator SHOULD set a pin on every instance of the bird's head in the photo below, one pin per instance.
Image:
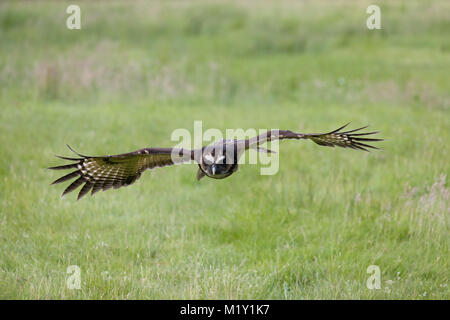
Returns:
(216, 165)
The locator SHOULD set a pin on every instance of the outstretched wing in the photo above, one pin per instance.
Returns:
(354, 139)
(104, 172)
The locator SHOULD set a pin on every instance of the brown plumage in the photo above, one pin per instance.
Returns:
(215, 161)
(104, 172)
(345, 139)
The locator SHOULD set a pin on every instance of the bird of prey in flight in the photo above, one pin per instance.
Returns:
(218, 161)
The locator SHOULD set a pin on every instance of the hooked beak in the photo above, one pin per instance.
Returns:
(213, 169)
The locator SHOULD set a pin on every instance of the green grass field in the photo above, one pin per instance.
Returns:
(137, 71)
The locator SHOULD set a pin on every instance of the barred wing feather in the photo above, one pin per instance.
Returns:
(104, 172)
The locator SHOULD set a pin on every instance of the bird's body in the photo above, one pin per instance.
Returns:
(217, 161)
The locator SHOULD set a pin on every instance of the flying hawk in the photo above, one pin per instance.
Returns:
(218, 161)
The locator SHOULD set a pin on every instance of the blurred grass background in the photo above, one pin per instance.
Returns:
(138, 70)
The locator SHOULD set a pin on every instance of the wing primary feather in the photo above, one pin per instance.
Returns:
(97, 187)
(350, 131)
(364, 133)
(67, 166)
(67, 177)
(367, 139)
(73, 186)
(355, 146)
(339, 128)
(88, 185)
(67, 158)
(365, 145)
(78, 154)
